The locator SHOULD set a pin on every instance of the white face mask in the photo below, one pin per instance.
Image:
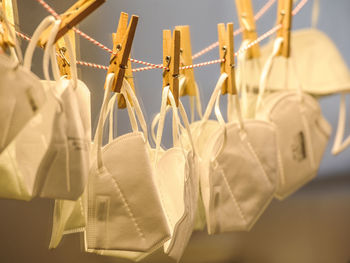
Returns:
(317, 75)
(302, 131)
(123, 203)
(21, 94)
(64, 168)
(21, 159)
(177, 180)
(239, 170)
(186, 142)
(21, 98)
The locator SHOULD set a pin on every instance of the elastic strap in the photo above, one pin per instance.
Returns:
(339, 145)
(155, 121)
(266, 71)
(136, 106)
(73, 63)
(186, 123)
(237, 107)
(99, 129)
(49, 53)
(193, 100)
(195, 103)
(315, 13)
(213, 97)
(161, 121)
(33, 42)
(242, 78)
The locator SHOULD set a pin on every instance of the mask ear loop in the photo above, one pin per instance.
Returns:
(221, 119)
(161, 122)
(176, 125)
(315, 13)
(266, 71)
(338, 145)
(49, 53)
(100, 124)
(27, 63)
(73, 63)
(241, 81)
(198, 102)
(156, 118)
(130, 93)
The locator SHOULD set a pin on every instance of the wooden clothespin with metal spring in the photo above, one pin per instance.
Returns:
(284, 17)
(185, 60)
(6, 39)
(226, 49)
(63, 58)
(120, 64)
(247, 22)
(171, 60)
(74, 15)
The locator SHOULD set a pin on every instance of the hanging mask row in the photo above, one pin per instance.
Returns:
(130, 199)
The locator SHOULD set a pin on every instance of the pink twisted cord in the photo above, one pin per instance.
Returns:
(160, 66)
(92, 65)
(49, 9)
(299, 6)
(25, 37)
(258, 15)
(264, 9)
(150, 65)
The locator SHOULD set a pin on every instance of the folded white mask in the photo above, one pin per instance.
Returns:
(21, 159)
(317, 75)
(186, 141)
(177, 180)
(302, 131)
(68, 216)
(239, 170)
(63, 171)
(21, 97)
(21, 94)
(124, 208)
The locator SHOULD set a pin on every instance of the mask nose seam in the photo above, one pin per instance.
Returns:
(128, 209)
(240, 211)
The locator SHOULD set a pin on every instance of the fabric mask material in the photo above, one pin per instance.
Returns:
(123, 203)
(21, 159)
(302, 131)
(239, 171)
(177, 179)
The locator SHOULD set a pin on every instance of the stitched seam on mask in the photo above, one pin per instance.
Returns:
(81, 207)
(169, 221)
(282, 177)
(233, 197)
(165, 210)
(18, 181)
(124, 137)
(259, 162)
(128, 209)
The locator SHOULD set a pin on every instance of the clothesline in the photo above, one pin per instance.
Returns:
(198, 54)
(258, 15)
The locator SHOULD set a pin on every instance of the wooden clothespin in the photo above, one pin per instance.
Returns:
(226, 49)
(247, 22)
(185, 60)
(120, 64)
(74, 15)
(284, 17)
(171, 60)
(6, 39)
(63, 58)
